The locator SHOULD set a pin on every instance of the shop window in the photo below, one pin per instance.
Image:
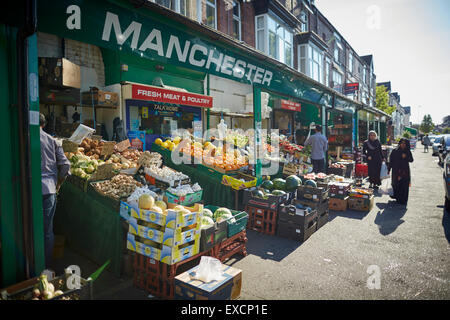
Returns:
(274, 39)
(236, 20)
(211, 14)
(311, 61)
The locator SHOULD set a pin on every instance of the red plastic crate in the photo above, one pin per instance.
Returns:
(262, 220)
(361, 170)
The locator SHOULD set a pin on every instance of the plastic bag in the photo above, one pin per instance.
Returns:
(386, 188)
(209, 269)
(384, 171)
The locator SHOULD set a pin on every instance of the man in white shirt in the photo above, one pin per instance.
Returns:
(319, 145)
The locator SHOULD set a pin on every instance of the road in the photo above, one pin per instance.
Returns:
(409, 249)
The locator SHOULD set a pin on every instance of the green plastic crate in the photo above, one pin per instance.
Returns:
(241, 218)
(186, 200)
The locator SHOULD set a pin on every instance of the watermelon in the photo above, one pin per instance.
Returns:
(279, 184)
(266, 191)
(258, 193)
(278, 192)
(292, 182)
(267, 184)
(206, 222)
(311, 183)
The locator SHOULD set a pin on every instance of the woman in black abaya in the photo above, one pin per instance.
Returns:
(401, 176)
(372, 149)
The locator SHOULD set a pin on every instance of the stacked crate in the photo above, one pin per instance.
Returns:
(162, 242)
(296, 224)
(339, 195)
(361, 199)
(316, 199)
(236, 244)
(263, 213)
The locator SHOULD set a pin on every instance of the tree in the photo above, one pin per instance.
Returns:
(382, 100)
(427, 124)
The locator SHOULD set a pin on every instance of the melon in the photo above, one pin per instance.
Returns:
(258, 193)
(157, 209)
(279, 184)
(161, 204)
(311, 183)
(278, 192)
(292, 183)
(207, 213)
(146, 202)
(222, 212)
(267, 184)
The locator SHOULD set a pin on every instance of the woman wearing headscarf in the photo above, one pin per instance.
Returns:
(372, 150)
(401, 176)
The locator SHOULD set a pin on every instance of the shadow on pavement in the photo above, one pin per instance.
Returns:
(389, 217)
(446, 224)
(270, 247)
(359, 215)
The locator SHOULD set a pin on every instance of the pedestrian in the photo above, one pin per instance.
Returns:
(54, 168)
(426, 142)
(372, 150)
(401, 176)
(319, 145)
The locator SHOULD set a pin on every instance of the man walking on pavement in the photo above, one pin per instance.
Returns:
(319, 145)
(426, 143)
(55, 168)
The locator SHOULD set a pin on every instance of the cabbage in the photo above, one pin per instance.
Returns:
(206, 222)
(207, 213)
(222, 211)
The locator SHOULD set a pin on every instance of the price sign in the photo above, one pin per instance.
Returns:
(108, 148)
(123, 145)
(104, 171)
(69, 146)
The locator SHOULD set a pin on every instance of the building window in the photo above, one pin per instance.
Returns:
(311, 61)
(180, 6)
(304, 21)
(337, 48)
(236, 20)
(350, 62)
(327, 72)
(364, 75)
(274, 39)
(211, 14)
(337, 81)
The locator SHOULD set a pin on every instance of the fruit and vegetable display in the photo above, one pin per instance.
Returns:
(314, 176)
(289, 147)
(82, 165)
(361, 191)
(148, 202)
(91, 147)
(120, 186)
(236, 139)
(133, 199)
(165, 174)
(121, 163)
(221, 214)
(183, 190)
(338, 166)
(150, 159)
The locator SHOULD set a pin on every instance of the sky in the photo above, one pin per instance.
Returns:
(410, 43)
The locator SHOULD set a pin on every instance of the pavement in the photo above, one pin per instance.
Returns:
(391, 252)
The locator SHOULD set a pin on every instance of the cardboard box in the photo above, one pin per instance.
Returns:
(168, 237)
(337, 204)
(360, 204)
(59, 72)
(100, 98)
(229, 288)
(172, 219)
(295, 231)
(160, 252)
(237, 184)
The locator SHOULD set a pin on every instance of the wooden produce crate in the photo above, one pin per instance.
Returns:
(310, 193)
(272, 202)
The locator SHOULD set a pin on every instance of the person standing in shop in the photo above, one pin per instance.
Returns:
(372, 150)
(54, 168)
(319, 146)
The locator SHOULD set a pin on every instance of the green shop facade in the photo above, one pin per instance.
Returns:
(153, 44)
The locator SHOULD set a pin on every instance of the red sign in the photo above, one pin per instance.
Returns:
(291, 105)
(351, 87)
(170, 96)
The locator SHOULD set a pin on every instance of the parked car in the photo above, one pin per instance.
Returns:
(444, 148)
(447, 182)
(435, 142)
